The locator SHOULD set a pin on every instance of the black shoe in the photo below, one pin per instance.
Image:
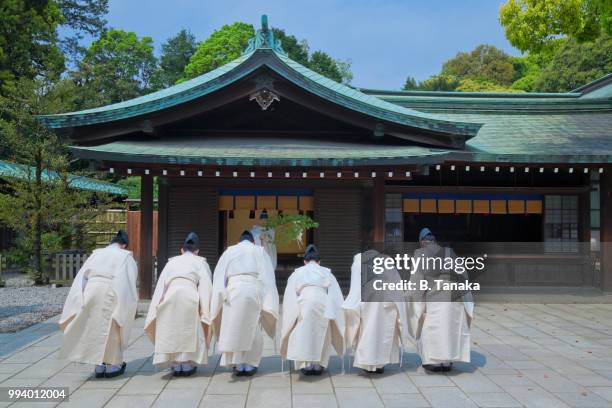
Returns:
(177, 373)
(190, 372)
(100, 375)
(379, 370)
(447, 368)
(316, 372)
(435, 368)
(249, 373)
(306, 372)
(116, 373)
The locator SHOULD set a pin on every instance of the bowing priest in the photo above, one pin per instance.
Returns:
(313, 318)
(178, 321)
(376, 321)
(100, 309)
(244, 300)
(439, 319)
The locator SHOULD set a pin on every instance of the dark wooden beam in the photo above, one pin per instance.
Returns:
(162, 223)
(606, 229)
(145, 270)
(378, 209)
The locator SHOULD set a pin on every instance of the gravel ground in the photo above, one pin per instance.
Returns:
(22, 305)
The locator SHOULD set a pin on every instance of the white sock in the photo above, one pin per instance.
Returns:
(248, 367)
(100, 368)
(186, 366)
(176, 367)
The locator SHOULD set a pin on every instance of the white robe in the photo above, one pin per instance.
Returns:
(441, 328)
(264, 237)
(100, 308)
(178, 321)
(313, 319)
(376, 330)
(244, 300)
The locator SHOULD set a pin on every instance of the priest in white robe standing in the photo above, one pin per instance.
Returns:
(244, 301)
(376, 321)
(100, 309)
(265, 237)
(439, 320)
(178, 322)
(313, 318)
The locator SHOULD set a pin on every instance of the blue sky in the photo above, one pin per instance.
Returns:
(385, 40)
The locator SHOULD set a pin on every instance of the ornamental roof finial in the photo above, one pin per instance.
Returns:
(264, 38)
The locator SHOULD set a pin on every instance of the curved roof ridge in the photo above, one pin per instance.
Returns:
(177, 89)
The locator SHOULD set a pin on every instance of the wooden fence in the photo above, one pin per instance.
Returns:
(65, 266)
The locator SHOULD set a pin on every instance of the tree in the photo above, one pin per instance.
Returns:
(116, 67)
(223, 46)
(296, 50)
(486, 64)
(28, 42)
(325, 65)
(576, 64)
(175, 55)
(471, 85)
(410, 84)
(228, 43)
(442, 82)
(40, 205)
(532, 25)
(80, 17)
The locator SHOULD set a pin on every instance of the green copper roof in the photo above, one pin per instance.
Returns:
(246, 151)
(13, 170)
(269, 53)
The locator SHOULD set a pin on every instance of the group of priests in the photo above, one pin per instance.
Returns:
(192, 309)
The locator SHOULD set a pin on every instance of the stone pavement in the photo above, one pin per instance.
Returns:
(523, 355)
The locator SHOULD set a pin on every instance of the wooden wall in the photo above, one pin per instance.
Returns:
(339, 236)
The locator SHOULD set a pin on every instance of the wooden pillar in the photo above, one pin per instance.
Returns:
(162, 226)
(378, 210)
(145, 271)
(605, 184)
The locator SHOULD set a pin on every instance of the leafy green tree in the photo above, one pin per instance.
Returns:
(576, 64)
(116, 67)
(41, 205)
(296, 50)
(80, 18)
(442, 82)
(410, 84)
(325, 65)
(485, 64)
(223, 46)
(532, 25)
(28, 41)
(175, 55)
(472, 85)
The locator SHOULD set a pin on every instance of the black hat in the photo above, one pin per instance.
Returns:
(121, 238)
(192, 240)
(246, 236)
(312, 253)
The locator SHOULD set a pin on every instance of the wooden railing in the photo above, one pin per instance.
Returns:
(65, 266)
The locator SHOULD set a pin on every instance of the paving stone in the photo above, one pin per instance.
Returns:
(179, 397)
(493, 400)
(226, 383)
(314, 400)
(447, 397)
(269, 397)
(583, 400)
(88, 398)
(131, 401)
(358, 398)
(223, 401)
(404, 401)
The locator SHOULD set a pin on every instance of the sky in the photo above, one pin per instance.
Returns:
(385, 40)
